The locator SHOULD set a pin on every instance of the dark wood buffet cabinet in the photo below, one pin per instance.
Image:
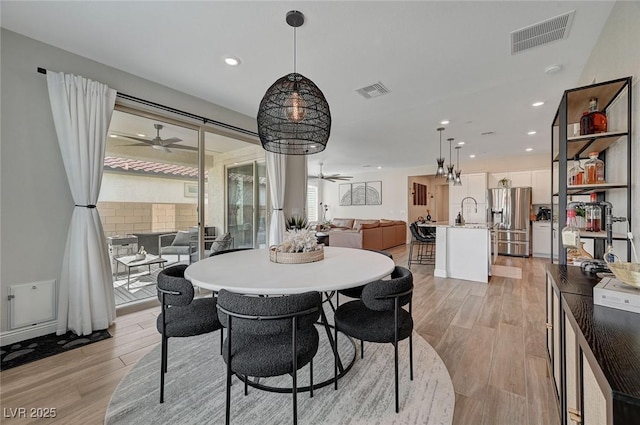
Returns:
(594, 352)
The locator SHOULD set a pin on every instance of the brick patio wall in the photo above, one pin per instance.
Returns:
(121, 218)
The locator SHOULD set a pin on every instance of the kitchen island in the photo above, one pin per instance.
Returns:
(463, 252)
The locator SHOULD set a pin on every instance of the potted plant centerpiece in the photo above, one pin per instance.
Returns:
(299, 246)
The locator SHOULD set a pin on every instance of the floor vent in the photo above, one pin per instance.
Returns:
(374, 90)
(541, 33)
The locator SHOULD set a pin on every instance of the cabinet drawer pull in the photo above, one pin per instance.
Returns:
(574, 415)
(549, 325)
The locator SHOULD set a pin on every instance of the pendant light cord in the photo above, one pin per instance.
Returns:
(294, 50)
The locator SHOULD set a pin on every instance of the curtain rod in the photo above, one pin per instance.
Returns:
(205, 120)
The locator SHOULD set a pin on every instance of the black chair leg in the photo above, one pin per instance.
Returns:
(362, 349)
(221, 339)
(163, 367)
(335, 356)
(246, 387)
(395, 346)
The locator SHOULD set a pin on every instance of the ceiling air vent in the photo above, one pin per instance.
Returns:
(374, 90)
(541, 33)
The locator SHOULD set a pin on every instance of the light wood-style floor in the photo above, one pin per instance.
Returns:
(491, 337)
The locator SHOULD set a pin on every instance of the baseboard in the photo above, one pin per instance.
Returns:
(12, 337)
(440, 273)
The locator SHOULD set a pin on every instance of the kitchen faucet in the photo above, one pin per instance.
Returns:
(462, 207)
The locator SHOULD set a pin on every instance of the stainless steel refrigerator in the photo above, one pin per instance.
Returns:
(510, 211)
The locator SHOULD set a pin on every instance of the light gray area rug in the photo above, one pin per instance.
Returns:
(195, 388)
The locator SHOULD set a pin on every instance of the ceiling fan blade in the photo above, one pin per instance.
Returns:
(183, 147)
(137, 144)
(312, 177)
(139, 139)
(167, 142)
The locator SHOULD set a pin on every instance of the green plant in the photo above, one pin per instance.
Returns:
(296, 222)
(580, 212)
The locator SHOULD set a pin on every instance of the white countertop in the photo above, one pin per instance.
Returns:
(463, 226)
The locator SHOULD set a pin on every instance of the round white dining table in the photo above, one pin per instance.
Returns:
(251, 272)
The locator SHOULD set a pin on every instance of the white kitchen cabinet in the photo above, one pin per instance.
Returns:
(541, 184)
(493, 179)
(517, 178)
(542, 237)
(474, 185)
(520, 178)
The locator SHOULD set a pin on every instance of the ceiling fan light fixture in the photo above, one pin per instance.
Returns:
(294, 116)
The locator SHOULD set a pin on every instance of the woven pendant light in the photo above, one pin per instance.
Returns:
(294, 117)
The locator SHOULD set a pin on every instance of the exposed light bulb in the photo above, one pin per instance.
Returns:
(295, 107)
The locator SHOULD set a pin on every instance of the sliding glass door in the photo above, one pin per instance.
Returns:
(247, 204)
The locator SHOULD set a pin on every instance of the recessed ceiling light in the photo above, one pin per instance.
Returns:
(472, 156)
(312, 146)
(553, 69)
(536, 104)
(142, 135)
(531, 133)
(113, 135)
(444, 122)
(461, 143)
(232, 61)
(529, 149)
(235, 163)
(379, 167)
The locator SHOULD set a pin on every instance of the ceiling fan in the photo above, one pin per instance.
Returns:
(329, 177)
(160, 143)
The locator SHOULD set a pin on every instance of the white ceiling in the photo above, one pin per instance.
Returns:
(441, 60)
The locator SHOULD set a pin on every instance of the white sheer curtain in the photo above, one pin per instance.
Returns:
(81, 113)
(276, 170)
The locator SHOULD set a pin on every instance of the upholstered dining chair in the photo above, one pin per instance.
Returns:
(379, 317)
(227, 251)
(269, 336)
(357, 291)
(182, 315)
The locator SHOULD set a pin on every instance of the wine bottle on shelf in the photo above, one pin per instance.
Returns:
(597, 119)
(593, 215)
(571, 233)
(594, 169)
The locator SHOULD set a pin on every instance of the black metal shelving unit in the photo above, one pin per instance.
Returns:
(565, 148)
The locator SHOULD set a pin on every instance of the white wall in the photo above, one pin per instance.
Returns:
(118, 187)
(617, 55)
(35, 198)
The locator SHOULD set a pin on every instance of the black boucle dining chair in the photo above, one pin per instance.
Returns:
(181, 316)
(269, 336)
(379, 317)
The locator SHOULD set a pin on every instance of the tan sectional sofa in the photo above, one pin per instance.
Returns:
(367, 234)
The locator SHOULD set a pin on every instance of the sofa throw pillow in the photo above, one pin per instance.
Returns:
(342, 222)
(365, 224)
(182, 238)
(221, 243)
